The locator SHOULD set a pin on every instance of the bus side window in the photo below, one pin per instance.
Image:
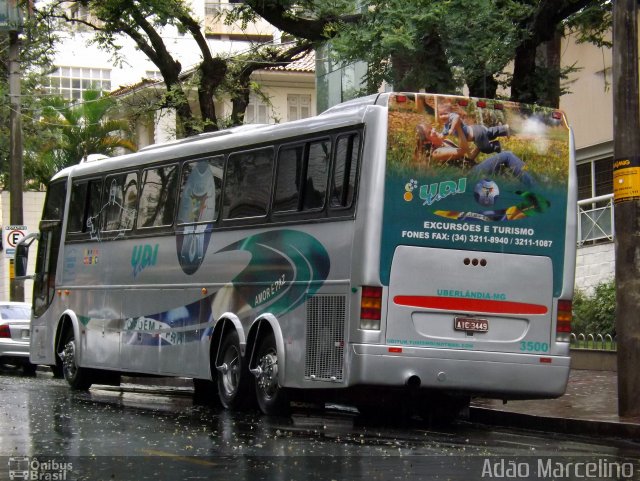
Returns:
(120, 201)
(94, 207)
(287, 194)
(158, 196)
(84, 209)
(200, 190)
(248, 184)
(315, 186)
(301, 182)
(77, 207)
(344, 173)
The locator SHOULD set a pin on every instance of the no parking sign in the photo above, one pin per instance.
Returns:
(11, 236)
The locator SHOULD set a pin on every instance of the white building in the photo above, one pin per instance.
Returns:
(83, 65)
(589, 109)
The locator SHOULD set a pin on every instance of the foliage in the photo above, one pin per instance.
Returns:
(147, 22)
(595, 313)
(75, 130)
(36, 41)
(437, 46)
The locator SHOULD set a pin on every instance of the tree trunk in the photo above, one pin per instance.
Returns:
(524, 70)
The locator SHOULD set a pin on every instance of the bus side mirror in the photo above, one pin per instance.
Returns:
(22, 256)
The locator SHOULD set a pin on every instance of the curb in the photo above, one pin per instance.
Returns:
(630, 431)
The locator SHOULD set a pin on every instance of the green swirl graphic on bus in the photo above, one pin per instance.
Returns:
(286, 266)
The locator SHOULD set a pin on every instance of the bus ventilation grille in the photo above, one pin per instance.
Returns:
(325, 338)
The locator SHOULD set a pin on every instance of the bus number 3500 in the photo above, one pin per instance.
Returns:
(530, 346)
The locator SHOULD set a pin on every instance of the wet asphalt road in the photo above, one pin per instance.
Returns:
(157, 433)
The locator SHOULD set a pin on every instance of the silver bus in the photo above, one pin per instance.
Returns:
(419, 247)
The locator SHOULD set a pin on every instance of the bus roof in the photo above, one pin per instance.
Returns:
(222, 140)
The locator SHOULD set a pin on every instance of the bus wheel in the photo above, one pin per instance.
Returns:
(233, 382)
(77, 377)
(272, 399)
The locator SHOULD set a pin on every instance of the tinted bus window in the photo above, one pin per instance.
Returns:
(121, 198)
(288, 179)
(94, 207)
(158, 196)
(344, 174)
(301, 182)
(56, 197)
(85, 207)
(315, 185)
(200, 190)
(77, 207)
(248, 184)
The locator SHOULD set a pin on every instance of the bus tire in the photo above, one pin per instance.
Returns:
(272, 399)
(232, 375)
(77, 377)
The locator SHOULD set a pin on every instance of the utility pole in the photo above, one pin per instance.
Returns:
(626, 182)
(15, 157)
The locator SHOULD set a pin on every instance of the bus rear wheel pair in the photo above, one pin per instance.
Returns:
(234, 378)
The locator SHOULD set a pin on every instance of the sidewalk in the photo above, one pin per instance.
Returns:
(589, 406)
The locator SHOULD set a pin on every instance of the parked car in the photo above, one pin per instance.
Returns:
(15, 331)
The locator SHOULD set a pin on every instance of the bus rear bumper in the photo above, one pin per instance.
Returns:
(490, 374)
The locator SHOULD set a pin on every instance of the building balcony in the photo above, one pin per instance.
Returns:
(595, 220)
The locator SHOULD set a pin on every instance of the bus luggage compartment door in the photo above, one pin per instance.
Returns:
(454, 299)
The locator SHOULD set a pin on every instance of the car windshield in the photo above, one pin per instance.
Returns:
(14, 313)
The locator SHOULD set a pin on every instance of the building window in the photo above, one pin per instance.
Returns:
(595, 201)
(298, 106)
(71, 82)
(595, 178)
(257, 111)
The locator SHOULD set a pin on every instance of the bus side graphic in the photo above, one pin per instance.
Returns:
(285, 267)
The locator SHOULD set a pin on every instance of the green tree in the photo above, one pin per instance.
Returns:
(143, 21)
(437, 45)
(35, 59)
(72, 131)
(595, 313)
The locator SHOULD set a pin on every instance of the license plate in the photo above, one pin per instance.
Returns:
(470, 324)
(25, 334)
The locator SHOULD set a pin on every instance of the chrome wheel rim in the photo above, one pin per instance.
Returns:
(268, 374)
(230, 370)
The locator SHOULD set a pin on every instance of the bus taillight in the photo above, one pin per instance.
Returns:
(563, 328)
(371, 307)
(5, 332)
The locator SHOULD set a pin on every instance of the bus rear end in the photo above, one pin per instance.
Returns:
(477, 253)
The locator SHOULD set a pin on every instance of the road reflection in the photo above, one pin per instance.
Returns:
(157, 432)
